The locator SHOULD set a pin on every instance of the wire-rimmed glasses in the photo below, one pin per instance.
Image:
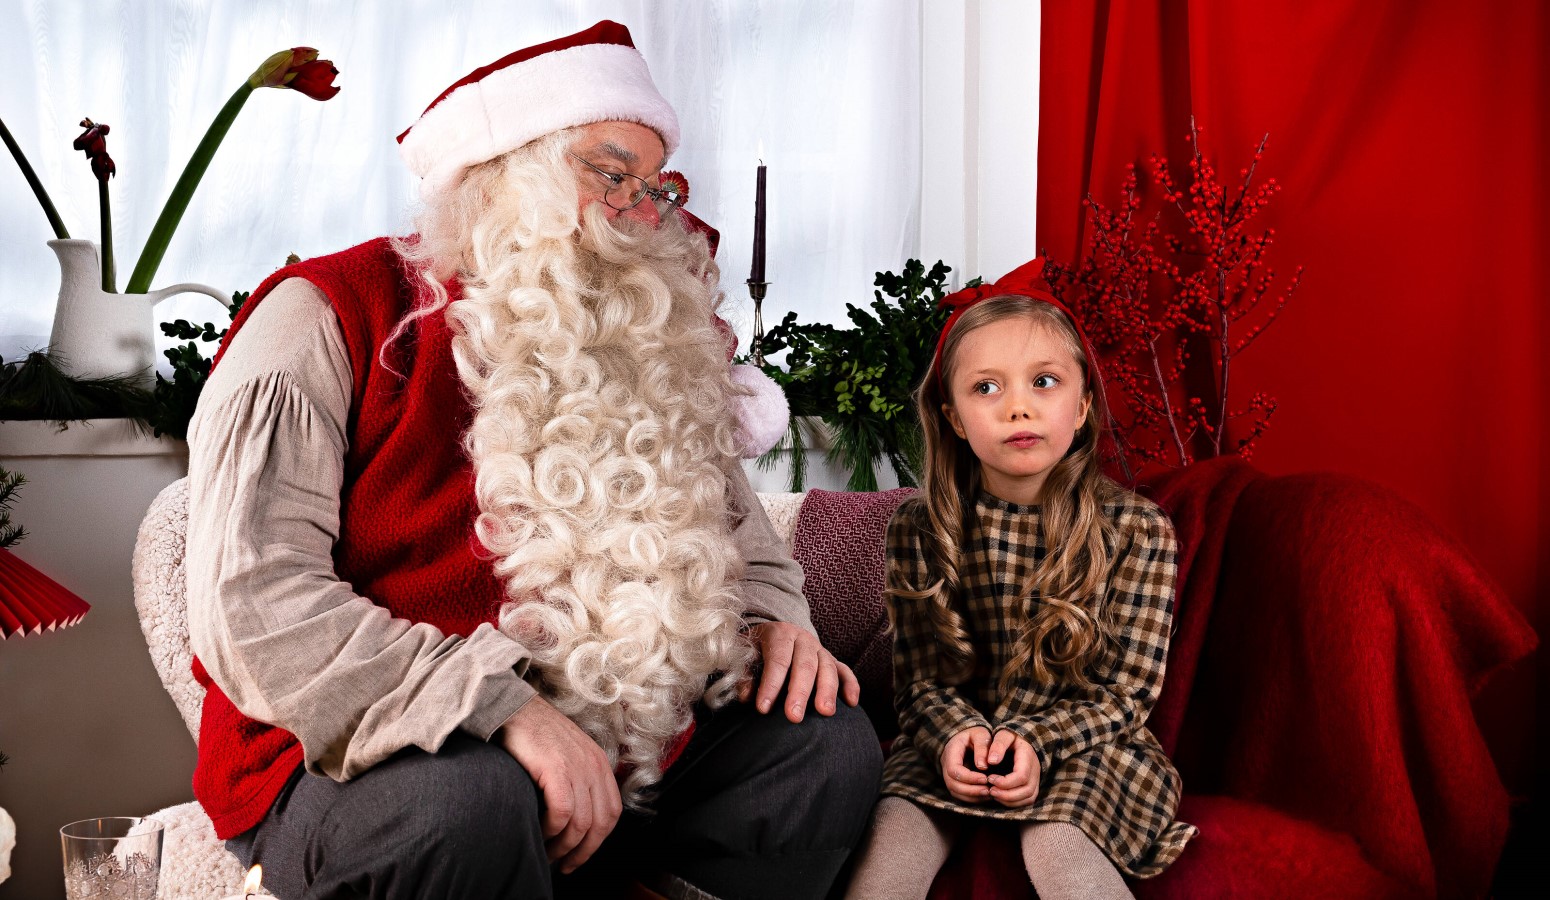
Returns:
(626, 191)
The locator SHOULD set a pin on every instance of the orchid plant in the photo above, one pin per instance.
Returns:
(297, 69)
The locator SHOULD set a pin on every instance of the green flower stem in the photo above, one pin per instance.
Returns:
(108, 275)
(183, 191)
(57, 223)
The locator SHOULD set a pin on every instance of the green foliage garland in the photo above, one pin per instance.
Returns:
(176, 399)
(860, 380)
(35, 388)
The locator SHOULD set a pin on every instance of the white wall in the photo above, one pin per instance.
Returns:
(83, 715)
(979, 134)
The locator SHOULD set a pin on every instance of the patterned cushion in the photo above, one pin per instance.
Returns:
(839, 541)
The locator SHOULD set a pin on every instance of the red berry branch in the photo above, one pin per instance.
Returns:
(1168, 302)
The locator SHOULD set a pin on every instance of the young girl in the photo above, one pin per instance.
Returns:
(1031, 598)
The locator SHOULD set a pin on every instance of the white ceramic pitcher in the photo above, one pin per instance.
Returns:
(97, 334)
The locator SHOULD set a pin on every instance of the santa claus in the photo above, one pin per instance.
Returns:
(474, 572)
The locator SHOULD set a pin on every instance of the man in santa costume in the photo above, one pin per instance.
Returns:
(474, 572)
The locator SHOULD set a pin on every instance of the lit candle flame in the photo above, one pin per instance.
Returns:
(254, 881)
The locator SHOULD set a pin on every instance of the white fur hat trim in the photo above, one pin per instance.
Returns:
(529, 99)
(762, 418)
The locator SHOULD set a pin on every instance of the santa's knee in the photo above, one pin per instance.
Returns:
(473, 816)
(837, 765)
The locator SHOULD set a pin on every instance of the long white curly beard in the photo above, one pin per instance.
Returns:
(600, 436)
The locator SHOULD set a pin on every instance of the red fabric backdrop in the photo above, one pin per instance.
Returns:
(1410, 138)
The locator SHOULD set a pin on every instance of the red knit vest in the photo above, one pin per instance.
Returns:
(407, 510)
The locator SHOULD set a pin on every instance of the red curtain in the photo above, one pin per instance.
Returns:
(1409, 136)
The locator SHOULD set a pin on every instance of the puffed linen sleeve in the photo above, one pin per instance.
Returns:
(930, 712)
(287, 641)
(1126, 682)
(771, 584)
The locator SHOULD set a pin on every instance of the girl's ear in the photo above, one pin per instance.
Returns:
(1087, 402)
(953, 420)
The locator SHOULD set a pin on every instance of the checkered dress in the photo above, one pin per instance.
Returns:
(1101, 768)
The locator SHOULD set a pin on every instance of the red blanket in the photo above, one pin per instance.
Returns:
(1328, 641)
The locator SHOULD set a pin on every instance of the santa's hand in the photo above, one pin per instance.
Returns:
(793, 659)
(581, 798)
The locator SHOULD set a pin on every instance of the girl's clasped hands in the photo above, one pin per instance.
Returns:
(972, 753)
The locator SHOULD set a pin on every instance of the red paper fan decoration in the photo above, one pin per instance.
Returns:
(31, 602)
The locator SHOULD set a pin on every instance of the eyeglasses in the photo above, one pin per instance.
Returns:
(626, 191)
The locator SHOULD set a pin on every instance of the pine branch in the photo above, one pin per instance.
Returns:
(10, 483)
(36, 388)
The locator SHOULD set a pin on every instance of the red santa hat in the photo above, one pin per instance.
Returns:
(595, 75)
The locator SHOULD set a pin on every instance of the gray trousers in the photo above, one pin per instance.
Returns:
(755, 808)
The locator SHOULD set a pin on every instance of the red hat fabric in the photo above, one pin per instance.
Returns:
(1027, 280)
(595, 75)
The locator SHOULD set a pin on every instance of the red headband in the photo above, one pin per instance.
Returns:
(1027, 280)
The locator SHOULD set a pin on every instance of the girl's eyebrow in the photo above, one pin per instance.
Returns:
(1041, 364)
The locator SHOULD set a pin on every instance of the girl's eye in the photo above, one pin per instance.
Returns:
(986, 387)
(1045, 381)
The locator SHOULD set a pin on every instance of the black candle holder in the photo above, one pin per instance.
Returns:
(756, 290)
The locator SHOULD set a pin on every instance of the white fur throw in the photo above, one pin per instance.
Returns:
(161, 599)
(7, 842)
(194, 864)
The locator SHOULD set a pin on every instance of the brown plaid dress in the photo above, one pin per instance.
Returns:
(1101, 768)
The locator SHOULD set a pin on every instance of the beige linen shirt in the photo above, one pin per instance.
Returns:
(288, 641)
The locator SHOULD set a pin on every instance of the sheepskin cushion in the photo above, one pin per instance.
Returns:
(194, 864)
(161, 599)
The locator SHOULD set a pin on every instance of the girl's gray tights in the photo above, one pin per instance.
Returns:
(906, 845)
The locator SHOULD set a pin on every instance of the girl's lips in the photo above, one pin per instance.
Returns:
(1023, 439)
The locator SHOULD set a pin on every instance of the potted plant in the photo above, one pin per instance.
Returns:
(856, 383)
(102, 343)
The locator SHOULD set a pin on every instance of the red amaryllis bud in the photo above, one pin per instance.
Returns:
(315, 79)
(298, 69)
(273, 71)
(93, 142)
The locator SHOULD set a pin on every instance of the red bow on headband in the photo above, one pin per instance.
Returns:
(1027, 280)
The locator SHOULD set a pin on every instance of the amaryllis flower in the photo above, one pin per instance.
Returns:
(300, 70)
(94, 143)
(315, 79)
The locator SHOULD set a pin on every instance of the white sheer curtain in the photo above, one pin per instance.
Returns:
(831, 88)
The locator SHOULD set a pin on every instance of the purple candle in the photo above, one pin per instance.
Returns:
(757, 272)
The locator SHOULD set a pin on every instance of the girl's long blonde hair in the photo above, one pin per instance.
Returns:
(1065, 633)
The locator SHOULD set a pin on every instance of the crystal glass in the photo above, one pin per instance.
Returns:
(117, 857)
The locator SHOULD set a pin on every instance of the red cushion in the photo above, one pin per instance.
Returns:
(1244, 850)
(1248, 850)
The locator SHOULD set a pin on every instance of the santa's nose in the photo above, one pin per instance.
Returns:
(645, 211)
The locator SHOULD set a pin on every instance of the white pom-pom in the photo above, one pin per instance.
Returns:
(762, 418)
